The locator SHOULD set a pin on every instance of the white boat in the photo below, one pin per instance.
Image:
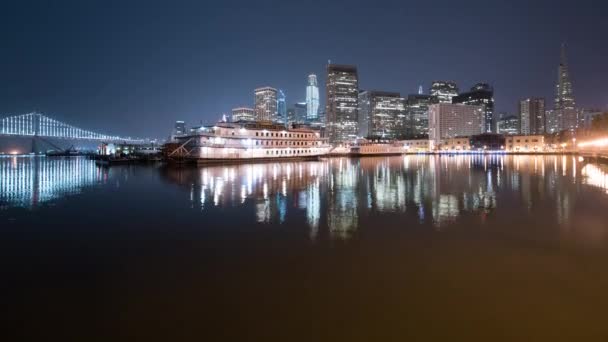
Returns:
(243, 141)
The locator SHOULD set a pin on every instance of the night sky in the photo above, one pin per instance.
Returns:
(134, 67)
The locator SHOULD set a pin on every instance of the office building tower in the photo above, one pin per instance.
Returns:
(552, 120)
(243, 114)
(417, 112)
(532, 116)
(266, 104)
(443, 91)
(281, 108)
(508, 125)
(564, 98)
(448, 121)
(381, 114)
(301, 112)
(179, 128)
(480, 94)
(312, 98)
(342, 96)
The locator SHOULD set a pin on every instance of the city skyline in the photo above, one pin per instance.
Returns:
(102, 66)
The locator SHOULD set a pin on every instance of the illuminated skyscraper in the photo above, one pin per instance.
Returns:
(281, 108)
(342, 89)
(266, 104)
(532, 116)
(180, 128)
(564, 98)
(381, 115)
(312, 98)
(444, 91)
(417, 111)
(448, 120)
(565, 113)
(481, 94)
(243, 114)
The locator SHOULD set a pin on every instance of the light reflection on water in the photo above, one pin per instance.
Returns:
(338, 194)
(31, 181)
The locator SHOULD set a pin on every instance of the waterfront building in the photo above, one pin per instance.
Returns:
(281, 108)
(417, 111)
(180, 128)
(525, 143)
(312, 98)
(381, 114)
(532, 116)
(342, 96)
(266, 104)
(481, 94)
(508, 125)
(243, 114)
(451, 144)
(448, 120)
(415, 145)
(488, 142)
(443, 91)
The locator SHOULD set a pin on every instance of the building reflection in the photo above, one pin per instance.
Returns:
(338, 194)
(30, 181)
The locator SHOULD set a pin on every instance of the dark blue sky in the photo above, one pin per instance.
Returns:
(134, 67)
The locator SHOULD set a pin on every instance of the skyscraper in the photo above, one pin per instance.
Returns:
(443, 91)
(532, 116)
(481, 94)
(301, 112)
(565, 107)
(448, 120)
(417, 111)
(381, 114)
(508, 125)
(312, 98)
(180, 128)
(281, 108)
(243, 114)
(342, 90)
(266, 104)
(564, 98)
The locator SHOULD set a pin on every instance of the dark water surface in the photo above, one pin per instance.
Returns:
(413, 248)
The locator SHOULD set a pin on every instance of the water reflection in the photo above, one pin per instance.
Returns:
(338, 193)
(30, 181)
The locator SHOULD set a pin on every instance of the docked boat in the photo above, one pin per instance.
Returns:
(244, 141)
(365, 147)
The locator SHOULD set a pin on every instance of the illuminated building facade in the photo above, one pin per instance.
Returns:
(266, 104)
(417, 112)
(481, 94)
(180, 128)
(281, 108)
(243, 114)
(381, 114)
(312, 98)
(443, 91)
(342, 91)
(508, 125)
(532, 116)
(448, 120)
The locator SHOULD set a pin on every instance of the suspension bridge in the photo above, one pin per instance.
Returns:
(38, 125)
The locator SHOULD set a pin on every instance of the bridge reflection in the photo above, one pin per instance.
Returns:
(30, 181)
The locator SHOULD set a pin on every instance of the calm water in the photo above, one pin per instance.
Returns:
(391, 248)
